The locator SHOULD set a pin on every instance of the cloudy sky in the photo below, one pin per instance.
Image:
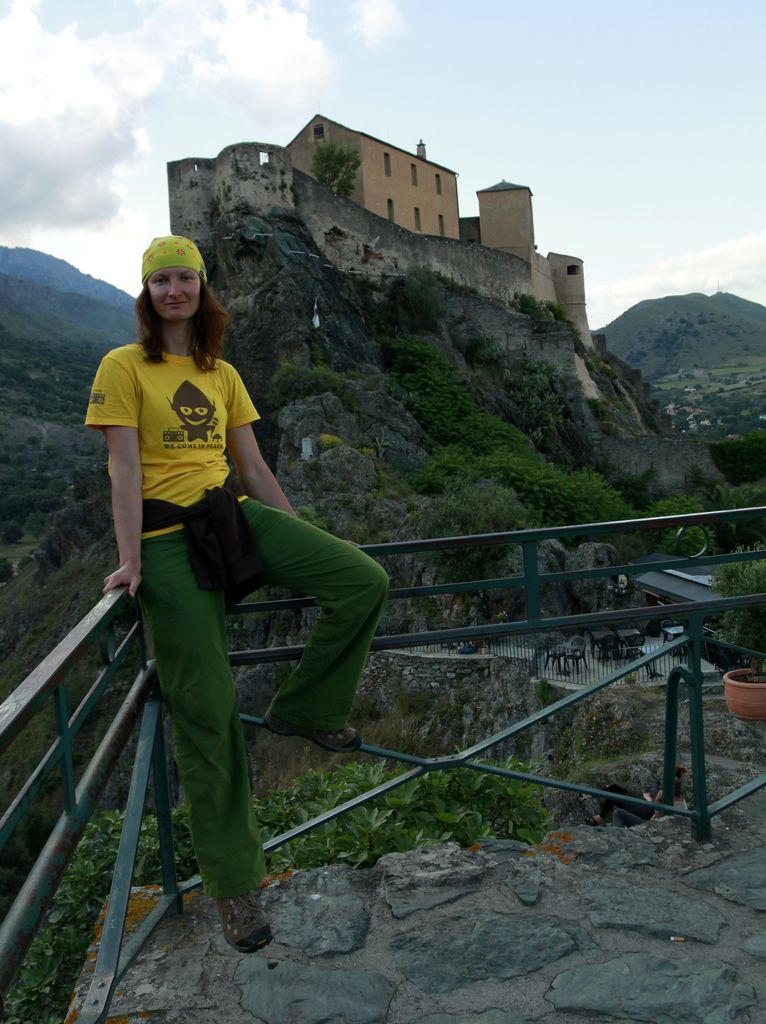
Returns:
(639, 128)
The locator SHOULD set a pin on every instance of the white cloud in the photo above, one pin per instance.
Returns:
(737, 265)
(265, 57)
(374, 21)
(74, 110)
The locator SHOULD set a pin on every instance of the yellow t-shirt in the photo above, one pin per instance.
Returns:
(181, 413)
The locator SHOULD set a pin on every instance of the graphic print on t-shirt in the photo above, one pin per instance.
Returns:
(196, 413)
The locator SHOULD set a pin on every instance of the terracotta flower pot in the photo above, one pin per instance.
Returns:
(744, 698)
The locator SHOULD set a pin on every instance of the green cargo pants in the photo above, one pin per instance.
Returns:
(189, 632)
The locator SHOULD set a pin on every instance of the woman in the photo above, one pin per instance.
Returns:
(628, 814)
(169, 408)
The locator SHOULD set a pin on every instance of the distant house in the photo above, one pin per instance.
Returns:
(406, 188)
(673, 586)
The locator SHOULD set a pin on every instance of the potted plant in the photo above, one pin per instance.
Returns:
(744, 688)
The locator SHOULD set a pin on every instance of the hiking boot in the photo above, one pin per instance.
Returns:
(342, 741)
(244, 923)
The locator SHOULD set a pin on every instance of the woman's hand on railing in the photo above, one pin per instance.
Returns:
(128, 575)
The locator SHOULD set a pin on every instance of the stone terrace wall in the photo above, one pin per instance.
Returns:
(671, 458)
(542, 342)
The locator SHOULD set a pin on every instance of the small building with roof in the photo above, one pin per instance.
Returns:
(404, 187)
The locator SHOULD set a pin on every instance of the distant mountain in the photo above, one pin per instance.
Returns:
(688, 332)
(35, 312)
(31, 265)
(55, 325)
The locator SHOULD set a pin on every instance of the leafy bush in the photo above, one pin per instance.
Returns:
(414, 303)
(336, 166)
(636, 488)
(466, 507)
(742, 460)
(550, 496)
(743, 626)
(531, 307)
(559, 497)
(691, 540)
(536, 392)
(740, 533)
(545, 311)
(328, 441)
(459, 805)
(292, 382)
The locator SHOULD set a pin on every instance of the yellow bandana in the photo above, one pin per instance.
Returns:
(172, 251)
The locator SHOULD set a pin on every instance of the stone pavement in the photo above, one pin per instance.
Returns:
(593, 925)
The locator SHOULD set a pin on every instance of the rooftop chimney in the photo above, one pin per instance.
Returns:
(421, 150)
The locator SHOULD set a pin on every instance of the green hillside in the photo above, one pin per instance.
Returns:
(683, 333)
(51, 343)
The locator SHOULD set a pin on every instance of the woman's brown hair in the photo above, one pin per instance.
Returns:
(208, 326)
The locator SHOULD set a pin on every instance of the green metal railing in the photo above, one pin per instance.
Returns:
(45, 686)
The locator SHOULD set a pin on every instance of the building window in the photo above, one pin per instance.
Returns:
(438, 184)
(573, 270)
(441, 225)
(417, 218)
(263, 157)
(414, 173)
(318, 132)
(387, 164)
(390, 209)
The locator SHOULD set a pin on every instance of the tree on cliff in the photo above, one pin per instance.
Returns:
(336, 167)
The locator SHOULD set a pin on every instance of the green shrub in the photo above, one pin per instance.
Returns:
(636, 488)
(460, 806)
(336, 166)
(549, 495)
(559, 497)
(467, 507)
(535, 389)
(742, 460)
(531, 307)
(291, 383)
(739, 533)
(691, 540)
(414, 303)
(743, 626)
(328, 441)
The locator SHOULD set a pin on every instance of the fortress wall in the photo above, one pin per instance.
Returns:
(243, 177)
(191, 186)
(543, 287)
(672, 458)
(252, 176)
(570, 290)
(354, 238)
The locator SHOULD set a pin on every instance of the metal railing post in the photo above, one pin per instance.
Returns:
(66, 764)
(162, 808)
(702, 828)
(671, 730)
(531, 578)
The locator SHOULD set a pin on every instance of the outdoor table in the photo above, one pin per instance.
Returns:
(672, 632)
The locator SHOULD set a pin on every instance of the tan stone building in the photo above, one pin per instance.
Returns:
(404, 187)
(506, 222)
